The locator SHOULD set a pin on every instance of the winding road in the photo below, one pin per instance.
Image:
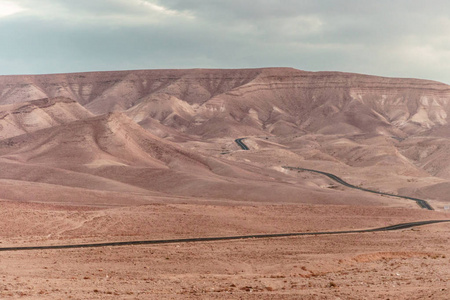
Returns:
(422, 203)
(223, 238)
(241, 144)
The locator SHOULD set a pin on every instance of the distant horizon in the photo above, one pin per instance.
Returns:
(200, 68)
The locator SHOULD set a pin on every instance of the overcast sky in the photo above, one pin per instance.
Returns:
(399, 38)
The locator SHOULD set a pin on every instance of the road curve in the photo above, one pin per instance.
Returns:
(241, 144)
(422, 203)
(223, 238)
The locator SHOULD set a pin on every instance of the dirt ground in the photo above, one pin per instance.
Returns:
(405, 264)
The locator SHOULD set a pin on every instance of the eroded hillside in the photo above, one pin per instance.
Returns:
(171, 132)
(225, 103)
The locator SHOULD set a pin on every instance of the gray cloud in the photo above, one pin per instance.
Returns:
(390, 38)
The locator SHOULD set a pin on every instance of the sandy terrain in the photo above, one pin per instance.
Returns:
(151, 154)
(408, 264)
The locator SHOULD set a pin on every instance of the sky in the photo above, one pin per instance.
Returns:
(396, 38)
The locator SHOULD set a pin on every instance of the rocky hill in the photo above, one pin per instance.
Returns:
(225, 103)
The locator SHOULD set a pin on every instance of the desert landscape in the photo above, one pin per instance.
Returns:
(164, 155)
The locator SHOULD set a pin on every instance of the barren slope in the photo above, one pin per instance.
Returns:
(219, 103)
(112, 153)
(350, 124)
(26, 117)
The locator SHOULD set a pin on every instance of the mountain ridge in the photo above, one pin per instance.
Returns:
(356, 123)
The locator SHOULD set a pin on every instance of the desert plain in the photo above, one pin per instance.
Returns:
(151, 155)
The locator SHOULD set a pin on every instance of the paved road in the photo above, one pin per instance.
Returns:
(420, 202)
(241, 144)
(223, 238)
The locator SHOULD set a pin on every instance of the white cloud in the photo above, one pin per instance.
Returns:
(158, 8)
(8, 8)
(120, 12)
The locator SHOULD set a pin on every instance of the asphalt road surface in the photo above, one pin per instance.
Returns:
(241, 144)
(422, 203)
(223, 238)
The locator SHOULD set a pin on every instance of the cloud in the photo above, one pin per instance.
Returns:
(8, 8)
(390, 38)
(122, 12)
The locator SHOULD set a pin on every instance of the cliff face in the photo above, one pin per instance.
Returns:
(214, 103)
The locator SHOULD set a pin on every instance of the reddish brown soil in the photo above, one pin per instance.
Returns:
(408, 264)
